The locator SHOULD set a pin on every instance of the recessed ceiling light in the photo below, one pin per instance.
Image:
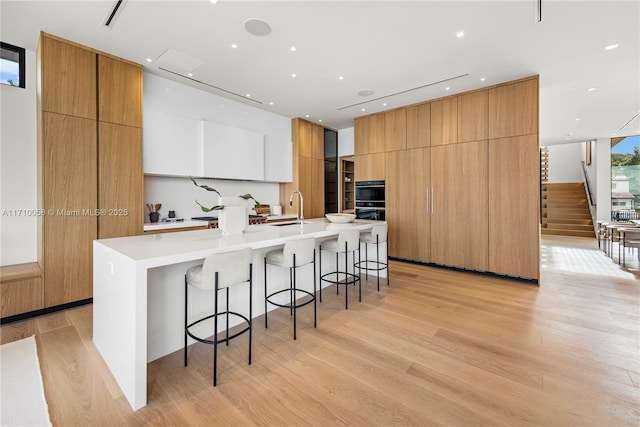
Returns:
(190, 74)
(213, 1)
(341, 78)
(447, 88)
(320, 120)
(149, 60)
(292, 49)
(611, 47)
(614, 134)
(233, 45)
(307, 116)
(592, 89)
(293, 75)
(384, 104)
(257, 27)
(364, 109)
(577, 119)
(271, 103)
(460, 34)
(248, 95)
(482, 79)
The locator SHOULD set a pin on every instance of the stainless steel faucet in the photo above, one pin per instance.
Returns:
(301, 207)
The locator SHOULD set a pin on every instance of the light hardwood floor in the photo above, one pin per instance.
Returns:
(437, 347)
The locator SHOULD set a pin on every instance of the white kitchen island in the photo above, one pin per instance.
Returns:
(138, 289)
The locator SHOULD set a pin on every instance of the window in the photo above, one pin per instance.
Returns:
(613, 185)
(12, 65)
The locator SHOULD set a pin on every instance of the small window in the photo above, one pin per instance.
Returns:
(12, 65)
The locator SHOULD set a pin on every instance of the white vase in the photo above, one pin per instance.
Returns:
(234, 218)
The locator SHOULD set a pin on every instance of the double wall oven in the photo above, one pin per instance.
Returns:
(370, 200)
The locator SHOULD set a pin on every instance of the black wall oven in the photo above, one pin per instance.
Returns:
(370, 200)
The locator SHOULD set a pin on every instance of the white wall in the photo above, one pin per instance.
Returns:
(346, 142)
(18, 169)
(179, 194)
(564, 162)
(602, 187)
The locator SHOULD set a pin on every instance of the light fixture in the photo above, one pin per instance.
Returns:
(384, 104)
(320, 120)
(592, 89)
(482, 79)
(271, 103)
(577, 119)
(293, 49)
(460, 34)
(213, 1)
(447, 88)
(233, 45)
(341, 78)
(307, 116)
(293, 75)
(190, 74)
(248, 95)
(149, 60)
(611, 46)
(364, 109)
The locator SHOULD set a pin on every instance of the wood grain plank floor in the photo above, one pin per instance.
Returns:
(437, 347)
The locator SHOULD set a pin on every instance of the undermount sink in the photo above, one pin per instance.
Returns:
(282, 224)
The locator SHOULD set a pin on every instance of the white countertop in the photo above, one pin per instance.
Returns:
(174, 224)
(166, 248)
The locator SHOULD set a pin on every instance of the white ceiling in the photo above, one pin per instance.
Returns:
(384, 46)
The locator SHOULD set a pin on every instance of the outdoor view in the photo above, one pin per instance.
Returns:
(625, 179)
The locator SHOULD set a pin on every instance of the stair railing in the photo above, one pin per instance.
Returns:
(587, 183)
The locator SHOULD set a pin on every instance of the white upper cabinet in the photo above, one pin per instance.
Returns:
(232, 153)
(187, 146)
(172, 144)
(157, 142)
(278, 162)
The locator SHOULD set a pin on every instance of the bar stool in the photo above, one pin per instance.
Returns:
(376, 236)
(219, 271)
(294, 254)
(347, 241)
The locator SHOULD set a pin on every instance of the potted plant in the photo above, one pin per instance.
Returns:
(233, 216)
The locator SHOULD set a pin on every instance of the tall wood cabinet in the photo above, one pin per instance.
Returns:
(89, 159)
(464, 191)
(308, 169)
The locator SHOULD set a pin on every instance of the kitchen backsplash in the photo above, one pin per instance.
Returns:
(179, 194)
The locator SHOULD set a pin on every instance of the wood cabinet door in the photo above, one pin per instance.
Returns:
(317, 142)
(68, 74)
(473, 116)
(361, 136)
(444, 121)
(304, 133)
(419, 126)
(120, 181)
(69, 177)
(316, 197)
(395, 130)
(513, 109)
(377, 133)
(407, 194)
(370, 167)
(119, 92)
(459, 205)
(514, 225)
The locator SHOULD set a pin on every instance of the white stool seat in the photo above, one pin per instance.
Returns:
(376, 236)
(347, 241)
(294, 254)
(219, 271)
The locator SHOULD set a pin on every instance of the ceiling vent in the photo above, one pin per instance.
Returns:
(113, 12)
(635, 116)
(370, 92)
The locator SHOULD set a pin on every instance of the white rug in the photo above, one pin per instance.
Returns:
(22, 401)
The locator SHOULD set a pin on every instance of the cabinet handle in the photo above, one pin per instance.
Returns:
(433, 202)
(427, 200)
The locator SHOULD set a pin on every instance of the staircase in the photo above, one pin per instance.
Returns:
(565, 210)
